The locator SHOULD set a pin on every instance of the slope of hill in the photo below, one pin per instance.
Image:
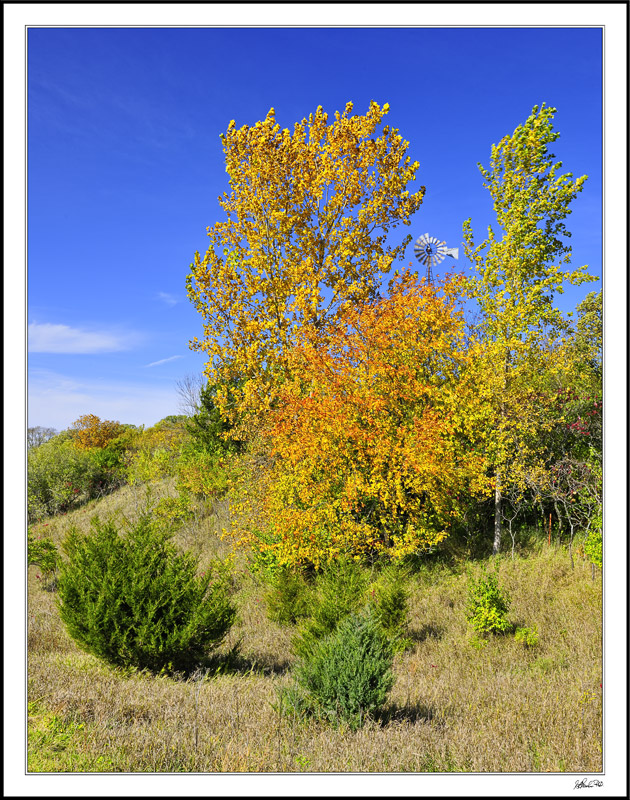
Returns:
(459, 703)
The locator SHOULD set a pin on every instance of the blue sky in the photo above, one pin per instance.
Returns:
(125, 166)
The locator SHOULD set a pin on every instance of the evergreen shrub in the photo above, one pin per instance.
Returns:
(340, 590)
(288, 596)
(134, 601)
(346, 676)
(389, 598)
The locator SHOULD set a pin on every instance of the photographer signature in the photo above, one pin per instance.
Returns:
(584, 784)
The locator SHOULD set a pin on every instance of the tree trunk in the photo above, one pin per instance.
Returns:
(571, 546)
(496, 546)
(559, 518)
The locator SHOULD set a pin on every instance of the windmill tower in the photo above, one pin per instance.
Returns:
(430, 251)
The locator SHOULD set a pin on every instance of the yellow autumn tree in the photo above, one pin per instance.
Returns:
(518, 273)
(370, 439)
(305, 238)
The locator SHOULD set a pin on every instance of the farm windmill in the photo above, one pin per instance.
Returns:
(430, 251)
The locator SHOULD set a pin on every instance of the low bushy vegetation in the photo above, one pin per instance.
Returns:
(593, 546)
(340, 591)
(134, 601)
(318, 602)
(488, 604)
(62, 477)
(153, 621)
(528, 637)
(389, 599)
(509, 706)
(346, 676)
(288, 597)
(42, 553)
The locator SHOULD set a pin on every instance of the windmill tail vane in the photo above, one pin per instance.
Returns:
(431, 251)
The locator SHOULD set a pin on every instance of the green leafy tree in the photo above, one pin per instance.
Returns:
(578, 408)
(518, 273)
(116, 455)
(156, 451)
(573, 440)
(90, 431)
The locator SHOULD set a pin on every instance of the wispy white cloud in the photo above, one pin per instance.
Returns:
(56, 400)
(163, 361)
(167, 298)
(137, 128)
(49, 338)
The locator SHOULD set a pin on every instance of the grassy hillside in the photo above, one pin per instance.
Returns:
(459, 704)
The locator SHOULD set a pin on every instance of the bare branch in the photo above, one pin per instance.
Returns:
(189, 390)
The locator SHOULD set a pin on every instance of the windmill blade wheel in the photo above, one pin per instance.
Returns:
(430, 251)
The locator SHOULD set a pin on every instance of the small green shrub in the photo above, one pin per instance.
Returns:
(477, 642)
(546, 664)
(42, 552)
(528, 637)
(340, 590)
(288, 598)
(133, 600)
(346, 676)
(593, 546)
(263, 562)
(389, 597)
(488, 604)
(175, 509)
(203, 474)
(149, 465)
(111, 462)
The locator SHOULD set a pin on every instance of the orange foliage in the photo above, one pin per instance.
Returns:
(368, 439)
(90, 431)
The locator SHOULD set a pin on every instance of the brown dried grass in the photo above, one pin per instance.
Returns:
(455, 706)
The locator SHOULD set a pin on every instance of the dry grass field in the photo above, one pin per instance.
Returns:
(458, 704)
